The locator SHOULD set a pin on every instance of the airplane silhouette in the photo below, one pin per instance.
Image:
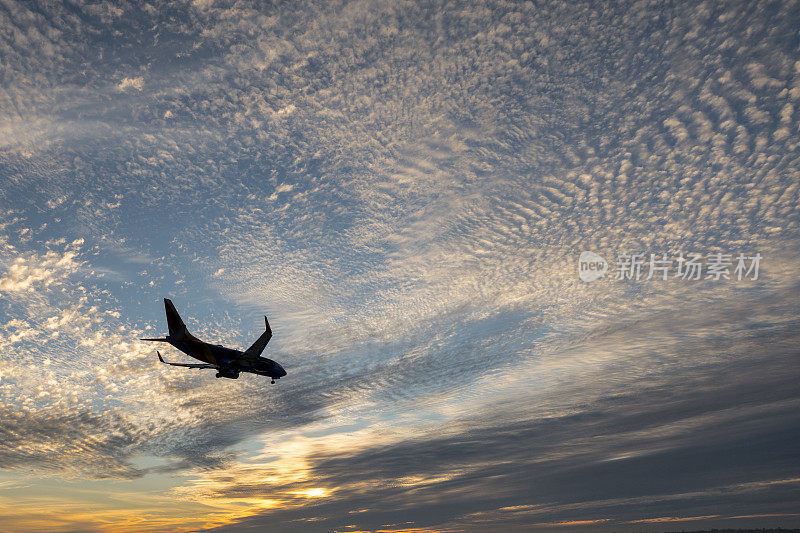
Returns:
(227, 361)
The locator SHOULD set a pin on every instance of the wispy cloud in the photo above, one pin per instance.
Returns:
(404, 189)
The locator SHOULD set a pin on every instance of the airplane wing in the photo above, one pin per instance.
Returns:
(187, 365)
(255, 350)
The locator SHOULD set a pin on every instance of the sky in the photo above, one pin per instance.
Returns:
(404, 188)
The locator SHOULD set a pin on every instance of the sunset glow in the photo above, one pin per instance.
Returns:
(528, 266)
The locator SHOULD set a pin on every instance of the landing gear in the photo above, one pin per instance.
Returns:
(218, 375)
(273, 382)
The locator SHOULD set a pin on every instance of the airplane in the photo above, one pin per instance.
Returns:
(228, 362)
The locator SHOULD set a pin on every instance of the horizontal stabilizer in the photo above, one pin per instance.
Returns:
(162, 339)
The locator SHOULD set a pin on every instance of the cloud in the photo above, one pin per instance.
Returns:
(131, 83)
(404, 190)
(36, 272)
(641, 417)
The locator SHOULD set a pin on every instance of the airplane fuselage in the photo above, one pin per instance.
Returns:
(227, 361)
(230, 361)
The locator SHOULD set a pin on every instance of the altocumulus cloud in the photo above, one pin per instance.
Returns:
(404, 188)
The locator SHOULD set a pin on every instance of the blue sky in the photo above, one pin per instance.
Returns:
(404, 188)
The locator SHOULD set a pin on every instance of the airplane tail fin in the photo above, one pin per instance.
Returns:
(176, 326)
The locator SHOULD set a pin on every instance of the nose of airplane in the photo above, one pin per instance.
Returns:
(280, 370)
